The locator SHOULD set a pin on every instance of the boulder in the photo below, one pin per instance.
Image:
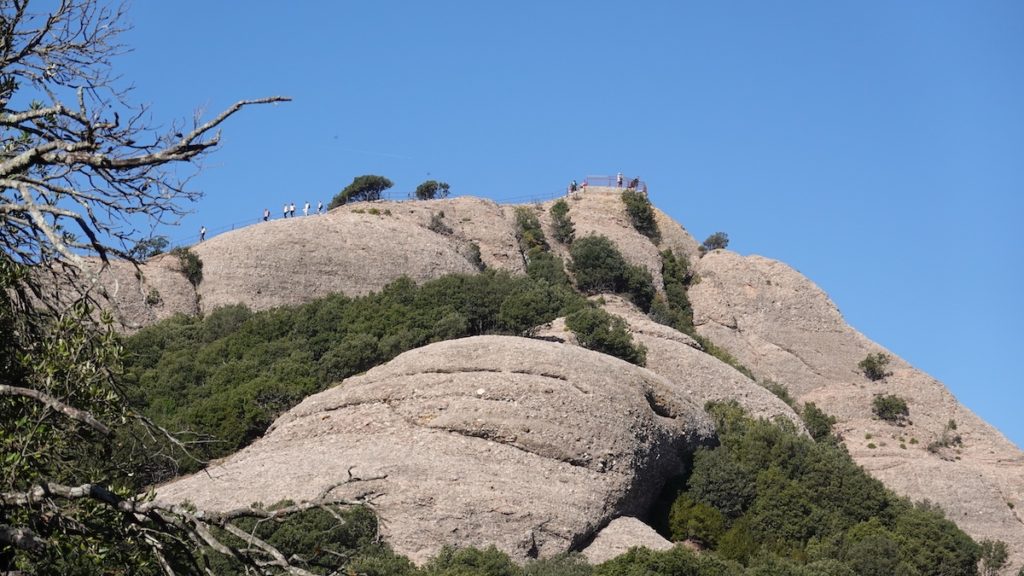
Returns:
(525, 444)
(619, 536)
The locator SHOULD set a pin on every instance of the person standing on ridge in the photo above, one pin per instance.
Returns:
(266, 214)
(202, 233)
(305, 209)
(319, 206)
(618, 180)
(285, 210)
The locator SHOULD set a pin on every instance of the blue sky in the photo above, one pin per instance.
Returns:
(877, 147)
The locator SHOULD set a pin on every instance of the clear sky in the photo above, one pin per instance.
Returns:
(877, 147)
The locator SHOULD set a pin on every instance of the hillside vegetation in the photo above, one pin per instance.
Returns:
(762, 500)
(227, 376)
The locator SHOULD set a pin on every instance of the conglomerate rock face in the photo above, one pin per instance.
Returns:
(773, 320)
(529, 445)
(295, 260)
(699, 376)
(783, 327)
(359, 248)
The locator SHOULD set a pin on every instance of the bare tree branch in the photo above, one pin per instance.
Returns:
(69, 411)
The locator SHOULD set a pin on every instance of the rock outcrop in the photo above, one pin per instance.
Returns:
(784, 328)
(676, 356)
(773, 320)
(619, 536)
(529, 445)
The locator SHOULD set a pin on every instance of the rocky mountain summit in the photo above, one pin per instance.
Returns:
(536, 444)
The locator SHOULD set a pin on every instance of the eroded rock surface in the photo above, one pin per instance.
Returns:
(526, 444)
(295, 260)
(784, 328)
(699, 376)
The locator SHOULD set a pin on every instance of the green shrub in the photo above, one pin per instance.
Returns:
(190, 265)
(153, 297)
(640, 286)
(549, 268)
(723, 355)
(676, 310)
(717, 241)
(354, 354)
(808, 501)
(677, 561)
(571, 564)
(597, 265)
(520, 313)
(948, 439)
(994, 556)
(564, 230)
(598, 330)
(438, 225)
(818, 423)
(781, 392)
(690, 520)
(641, 214)
(321, 541)
(890, 408)
(473, 255)
(470, 562)
(873, 366)
(529, 233)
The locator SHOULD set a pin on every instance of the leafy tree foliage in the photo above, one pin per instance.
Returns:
(572, 564)
(873, 366)
(549, 268)
(696, 521)
(677, 561)
(598, 330)
(471, 562)
(818, 423)
(641, 214)
(432, 189)
(599, 267)
(190, 264)
(529, 233)
(781, 392)
(675, 310)
(891, 408)
(149, 247)
(365, 188)
(794, 506)
(717, 241)
(564, 229)
(474, 257)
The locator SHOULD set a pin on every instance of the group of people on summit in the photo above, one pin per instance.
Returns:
(289, 210)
